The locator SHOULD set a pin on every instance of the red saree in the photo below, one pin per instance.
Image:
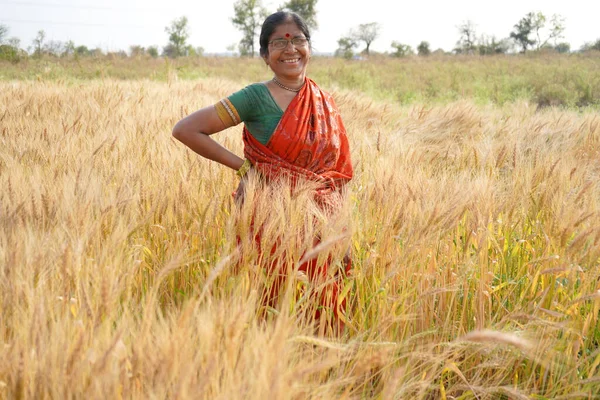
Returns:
(309, 143)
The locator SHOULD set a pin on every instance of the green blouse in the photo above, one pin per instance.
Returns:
(257, 108)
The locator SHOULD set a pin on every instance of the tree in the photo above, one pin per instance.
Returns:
(490, 45)
(14, 42)
(557, 28)
(68, 49)
(367, 33)
(231, 49)
(137, 51)
(304, 8)
(178, 34)
(82, 51)
(248, 16)
(563, 48)
(3, 32)
(195, 51)
(152, 51)
(522, 31)
(346, 46)
(466, 42)
(534, 24)
(53, 48)
(591, 46)
(38, 43)
(423, 49)
(401, 50)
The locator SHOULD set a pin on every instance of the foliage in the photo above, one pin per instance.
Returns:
(248, 18)
(38, 43)
(591, 46)
(307, 9)
(367, 33)
(423, 49)
(152, 51)
(195, 51)
(82, 50)
(178, 34)
(401, 50)
(490, 46)
(9, 48)
(533, 24)
(137, 51)
(555, 31)
(346, 46)
(439, 79)
(3, 32)
(523, 30)
(14, 42)
(9, 53)
(563, 48)
(466, 44)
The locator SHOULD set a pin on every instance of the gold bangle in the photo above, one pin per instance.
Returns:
(244, 168)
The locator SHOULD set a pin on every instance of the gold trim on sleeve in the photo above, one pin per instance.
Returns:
(227, 113)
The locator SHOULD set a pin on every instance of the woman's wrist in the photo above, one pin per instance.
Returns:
(244, 168)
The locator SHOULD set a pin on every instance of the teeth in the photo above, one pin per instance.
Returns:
(290, 61)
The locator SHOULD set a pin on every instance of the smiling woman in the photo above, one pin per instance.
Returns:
(293, 132)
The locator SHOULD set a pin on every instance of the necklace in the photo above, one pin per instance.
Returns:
(281, 85)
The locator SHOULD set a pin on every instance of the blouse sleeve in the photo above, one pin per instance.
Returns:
(236, 108)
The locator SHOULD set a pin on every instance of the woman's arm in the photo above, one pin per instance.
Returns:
(194, 131)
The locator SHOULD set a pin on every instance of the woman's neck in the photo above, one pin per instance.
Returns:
(293, 83)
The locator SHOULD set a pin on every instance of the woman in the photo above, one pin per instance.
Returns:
(292, 130)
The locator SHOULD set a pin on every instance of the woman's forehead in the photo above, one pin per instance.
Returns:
(287, 29)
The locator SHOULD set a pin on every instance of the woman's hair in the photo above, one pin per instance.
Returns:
(273, 21)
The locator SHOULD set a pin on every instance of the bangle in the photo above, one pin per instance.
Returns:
(244, 168)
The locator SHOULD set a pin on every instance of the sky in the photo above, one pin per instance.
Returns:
(117, 24)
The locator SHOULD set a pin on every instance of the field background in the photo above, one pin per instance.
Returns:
(474, 224)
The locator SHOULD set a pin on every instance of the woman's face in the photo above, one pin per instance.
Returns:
(291, 61)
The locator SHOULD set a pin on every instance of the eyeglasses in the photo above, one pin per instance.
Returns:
(281, 44)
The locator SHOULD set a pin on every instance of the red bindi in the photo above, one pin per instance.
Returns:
(287, 35)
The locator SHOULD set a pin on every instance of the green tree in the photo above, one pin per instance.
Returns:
(38, 43)
(14, 42)
(195, 51)
(3, 32)
(401, 50)
(490, 45)
(82, 51)
(557, 28)
(563, 48)
(54, 48)
(522, 31)
(248, 17)
(152, 51)
(178, 34)
(423, 49)
(468, 34)
(555, 31)
(591, 46)
(367, 33)
(68, 49)
(137, 51)
(346, 46)
(534, 24)
(307, 9)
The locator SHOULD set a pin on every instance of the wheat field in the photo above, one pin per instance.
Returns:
(474, 230)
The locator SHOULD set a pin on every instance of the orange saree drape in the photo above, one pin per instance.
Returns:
(309, 143)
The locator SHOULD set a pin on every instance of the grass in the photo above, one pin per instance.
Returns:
(474, 230)
(545, 79)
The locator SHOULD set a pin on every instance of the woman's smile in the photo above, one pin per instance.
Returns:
(288, 63)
